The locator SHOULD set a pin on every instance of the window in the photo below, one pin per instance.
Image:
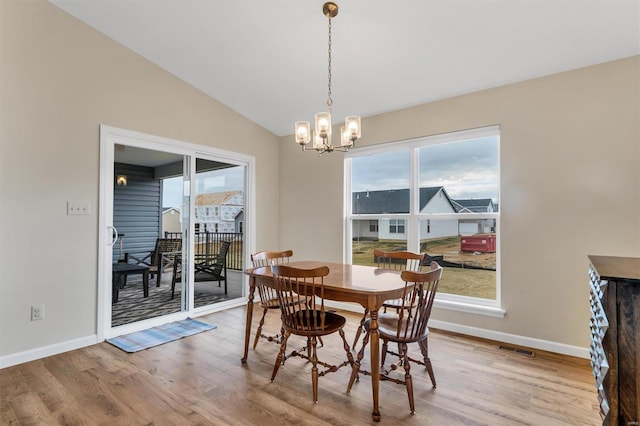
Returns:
(436, 195)
(396, 226)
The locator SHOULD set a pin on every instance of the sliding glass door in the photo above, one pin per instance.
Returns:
(147, 213)
(219, 209)
(174, 218)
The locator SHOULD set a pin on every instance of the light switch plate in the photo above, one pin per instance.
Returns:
(78, 208)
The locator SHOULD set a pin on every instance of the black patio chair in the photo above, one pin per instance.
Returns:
(161, 258)
(206, 268)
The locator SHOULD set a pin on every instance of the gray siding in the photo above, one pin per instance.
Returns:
(137, 209)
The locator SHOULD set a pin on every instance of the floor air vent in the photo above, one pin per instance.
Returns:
(518, 351)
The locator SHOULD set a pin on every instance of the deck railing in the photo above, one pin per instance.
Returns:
(208, 243)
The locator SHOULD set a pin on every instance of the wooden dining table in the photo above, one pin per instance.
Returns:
(366, 285)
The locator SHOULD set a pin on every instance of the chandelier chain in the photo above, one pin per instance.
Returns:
(329, 100)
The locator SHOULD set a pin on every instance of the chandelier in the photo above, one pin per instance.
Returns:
(321, 134)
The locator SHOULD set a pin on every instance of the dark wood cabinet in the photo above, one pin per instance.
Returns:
(615, 337)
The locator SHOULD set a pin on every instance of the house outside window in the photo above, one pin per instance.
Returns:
(221, 210)
(436, 195)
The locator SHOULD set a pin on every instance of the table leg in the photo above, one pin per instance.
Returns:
(375, 363)
(145, 283)
(247, 326)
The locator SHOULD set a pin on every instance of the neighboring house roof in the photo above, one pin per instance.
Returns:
(168, 209)
(475, 205)
(393, 200)
(215, 198)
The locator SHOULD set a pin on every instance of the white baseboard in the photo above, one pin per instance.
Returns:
(45, 351)
(514, 339)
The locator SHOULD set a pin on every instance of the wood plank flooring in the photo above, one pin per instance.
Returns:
(200, 380)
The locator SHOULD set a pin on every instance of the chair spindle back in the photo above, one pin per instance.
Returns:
(268, 258)
(420, 291)
(295, 288)
(399, 260)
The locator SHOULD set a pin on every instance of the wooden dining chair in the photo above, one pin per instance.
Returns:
(397, 260)
(407, 325)
(305, 315)
(268, 295)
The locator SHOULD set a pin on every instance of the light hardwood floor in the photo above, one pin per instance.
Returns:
(200, 380)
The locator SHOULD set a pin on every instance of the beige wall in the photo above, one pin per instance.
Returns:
(570, 156)
(59, 81)
(570, 186)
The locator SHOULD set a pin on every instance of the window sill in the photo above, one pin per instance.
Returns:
(471, 308)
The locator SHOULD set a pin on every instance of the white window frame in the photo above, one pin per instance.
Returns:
(412, 220)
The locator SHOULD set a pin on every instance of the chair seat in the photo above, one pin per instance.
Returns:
(200, 276)
(332, 323)
(388, 329)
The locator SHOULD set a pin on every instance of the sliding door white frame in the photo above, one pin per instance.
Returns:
(109, 138)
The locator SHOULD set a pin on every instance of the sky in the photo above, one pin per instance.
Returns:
(466, 169)
(229, 179)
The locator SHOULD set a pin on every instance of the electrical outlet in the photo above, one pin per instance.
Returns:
(37, 312)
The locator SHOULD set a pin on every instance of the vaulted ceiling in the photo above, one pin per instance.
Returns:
(267, 60)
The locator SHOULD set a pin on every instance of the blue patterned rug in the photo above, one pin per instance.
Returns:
(155, 336)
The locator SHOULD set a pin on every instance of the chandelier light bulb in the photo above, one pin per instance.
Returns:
(345, 137)
(303, 132)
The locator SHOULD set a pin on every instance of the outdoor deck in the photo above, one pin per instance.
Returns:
(132, 306)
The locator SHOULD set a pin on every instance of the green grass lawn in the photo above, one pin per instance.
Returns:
(466, 282)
